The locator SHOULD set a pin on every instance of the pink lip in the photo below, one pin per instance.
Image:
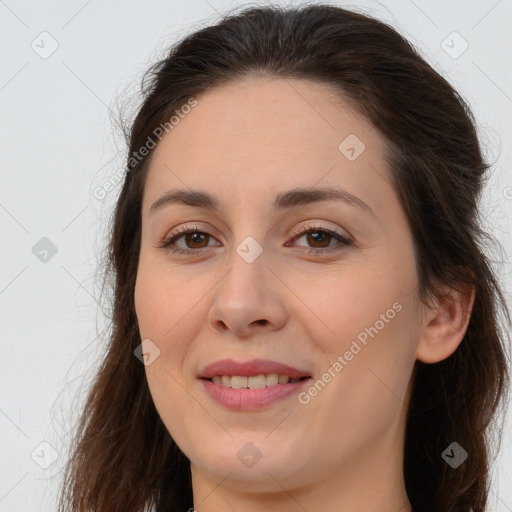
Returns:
(251, 399)
(250, 369)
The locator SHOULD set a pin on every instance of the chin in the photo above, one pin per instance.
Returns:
(261, 463)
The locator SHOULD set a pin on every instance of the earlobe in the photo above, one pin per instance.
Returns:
(445, 325)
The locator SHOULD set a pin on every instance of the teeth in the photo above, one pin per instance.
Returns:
(254, 382)
(283, 379)
(271, 379)
(238, 382)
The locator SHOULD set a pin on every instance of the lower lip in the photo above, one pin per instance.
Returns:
(251, 399)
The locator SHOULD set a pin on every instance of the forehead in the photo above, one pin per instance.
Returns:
(259, 137)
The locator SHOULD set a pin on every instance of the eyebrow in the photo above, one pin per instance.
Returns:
(284, 200)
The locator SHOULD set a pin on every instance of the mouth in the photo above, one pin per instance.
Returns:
(254, 381)
(256, 373)
(251, 385)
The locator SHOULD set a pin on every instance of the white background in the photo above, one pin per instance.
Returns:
(58, 144)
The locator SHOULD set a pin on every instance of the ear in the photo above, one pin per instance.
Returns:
(445, 325)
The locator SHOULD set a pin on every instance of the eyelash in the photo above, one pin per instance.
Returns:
(344, 241)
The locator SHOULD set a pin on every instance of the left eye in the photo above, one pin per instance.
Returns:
(322, 237)
(315, 235)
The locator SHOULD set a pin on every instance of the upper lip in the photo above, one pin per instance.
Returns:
(249, 369)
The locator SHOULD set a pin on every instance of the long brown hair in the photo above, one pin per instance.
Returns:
(123, 458)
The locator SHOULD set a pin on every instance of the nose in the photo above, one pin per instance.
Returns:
(249, 299)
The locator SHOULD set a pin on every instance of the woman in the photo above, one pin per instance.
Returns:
(304, 317)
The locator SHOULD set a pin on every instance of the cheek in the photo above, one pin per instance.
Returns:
(166, 307)
(371, 357)
(371, 335)
(165, 302)
(353, 304)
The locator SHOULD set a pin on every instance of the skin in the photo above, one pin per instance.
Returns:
(244, 143)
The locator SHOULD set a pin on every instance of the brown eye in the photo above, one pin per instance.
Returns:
(319, 240)
(315, 237)
(194, 240)
(191, 239)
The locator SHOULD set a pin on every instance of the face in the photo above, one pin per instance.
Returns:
(326, 286)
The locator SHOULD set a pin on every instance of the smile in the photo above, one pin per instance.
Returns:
(253, 382)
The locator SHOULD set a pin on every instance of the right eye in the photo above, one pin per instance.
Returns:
(191, 234)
